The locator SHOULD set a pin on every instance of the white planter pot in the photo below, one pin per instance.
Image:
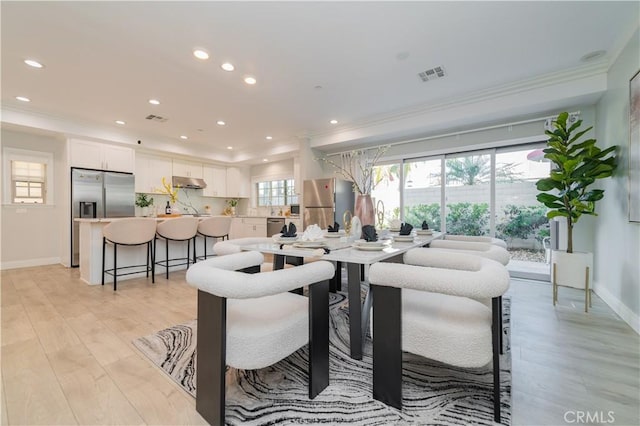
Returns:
(572, 270)
(145, 211)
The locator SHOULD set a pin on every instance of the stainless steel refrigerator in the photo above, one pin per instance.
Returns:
(326, 200)
(98, 194)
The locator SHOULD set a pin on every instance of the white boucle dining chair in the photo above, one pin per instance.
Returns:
(433, 309)
(478, 239)
(477, 248)
(250, 320)
(482, 249)
(223, 248)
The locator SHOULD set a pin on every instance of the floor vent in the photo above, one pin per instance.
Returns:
(431, 74)
(157, 118)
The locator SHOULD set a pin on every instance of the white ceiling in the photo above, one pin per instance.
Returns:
(104, 60)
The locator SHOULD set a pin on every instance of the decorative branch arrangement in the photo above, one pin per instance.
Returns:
(168, 189)
(357, 166)
(172, 192)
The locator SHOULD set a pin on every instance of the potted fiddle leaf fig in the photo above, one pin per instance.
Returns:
(576, 165)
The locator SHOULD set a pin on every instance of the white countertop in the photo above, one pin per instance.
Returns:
(111, 219)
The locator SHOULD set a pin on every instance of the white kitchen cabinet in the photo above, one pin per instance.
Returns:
(216, 179)
(255, 226)
(244, 227)
(94, 155)
(237, 228)
(238, 182)
(187, 169)
(150, 170)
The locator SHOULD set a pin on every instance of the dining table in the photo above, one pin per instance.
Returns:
(357, 258)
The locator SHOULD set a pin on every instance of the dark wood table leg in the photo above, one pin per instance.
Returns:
(278, 263)
(355, 310)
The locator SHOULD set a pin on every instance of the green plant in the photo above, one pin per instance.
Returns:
(419, 212)
(468, 219)
(233, 202)
(577, 165)
(142, 200)
(521, 221)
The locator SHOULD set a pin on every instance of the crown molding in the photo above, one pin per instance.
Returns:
(483, 95)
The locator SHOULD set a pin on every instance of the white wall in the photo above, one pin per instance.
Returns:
(35, 235)
(617, 241)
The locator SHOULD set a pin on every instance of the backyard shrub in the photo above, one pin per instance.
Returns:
(468, 219)
(523, 222)
(429, 212)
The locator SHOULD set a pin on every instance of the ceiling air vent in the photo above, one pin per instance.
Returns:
(431, 74)
(157, 118)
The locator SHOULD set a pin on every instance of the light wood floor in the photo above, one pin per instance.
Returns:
(67, 356)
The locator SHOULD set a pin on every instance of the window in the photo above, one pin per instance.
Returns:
(277, 193)
(28, 182)
(28, 176)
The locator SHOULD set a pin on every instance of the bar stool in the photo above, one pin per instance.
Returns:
(179, 229)
(129, 232)
(214, 227)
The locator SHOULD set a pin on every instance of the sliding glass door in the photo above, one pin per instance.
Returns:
(490, 192)
(467, 194)
(520, 219)
(422, 192)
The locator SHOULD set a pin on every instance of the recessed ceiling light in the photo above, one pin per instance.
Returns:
(250, 80)
(220, 123)
(227, 66)
(264, 160)
(593, 55)
(201, 54)
(120, 122)
(33, 63)
(269, 138)
(23, 99)
(184, 137)
(334, 122)
(229, 147)
(154, 102)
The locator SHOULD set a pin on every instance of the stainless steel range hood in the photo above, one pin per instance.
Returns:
(188, 182)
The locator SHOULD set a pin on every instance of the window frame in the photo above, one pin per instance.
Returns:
(8, 187)
(288, 191)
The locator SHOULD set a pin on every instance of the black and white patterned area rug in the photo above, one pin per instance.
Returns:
(433, 393)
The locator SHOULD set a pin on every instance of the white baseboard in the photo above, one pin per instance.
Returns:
(14, 264)
(618, 307)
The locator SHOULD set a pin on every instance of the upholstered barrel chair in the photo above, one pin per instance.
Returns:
(250, 320)
(478, 239)
(434, 310)
(223, 248)
(482, 249)
(476, 248)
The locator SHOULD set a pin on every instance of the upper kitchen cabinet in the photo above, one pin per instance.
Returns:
(238, 182)
(216, 179)
(94, 155)
(150, 170)
(187, 169)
